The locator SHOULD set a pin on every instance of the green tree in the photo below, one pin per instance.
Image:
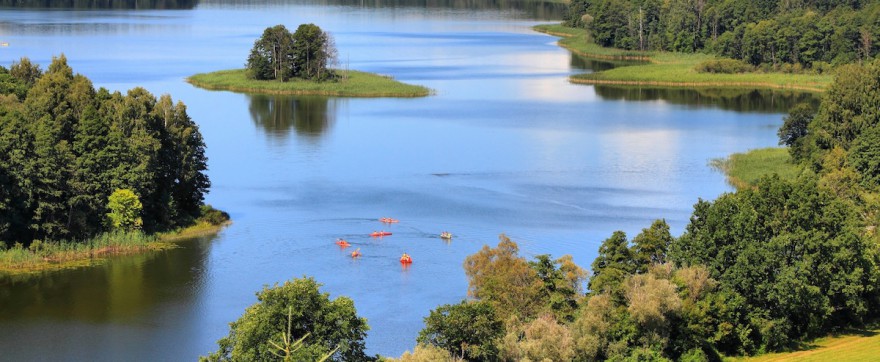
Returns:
(502, 278)
(562, 284)
(794, 129)
(612, 265)
(25, 71)
(297, 309)
(272, 56)
(469, 330)
(125, 210)
(314, 51)
(650, 246)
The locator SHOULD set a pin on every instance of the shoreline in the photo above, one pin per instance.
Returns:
(84, 255)
(355, 84)
(667, 69)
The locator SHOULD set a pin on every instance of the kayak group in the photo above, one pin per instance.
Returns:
(405, 259)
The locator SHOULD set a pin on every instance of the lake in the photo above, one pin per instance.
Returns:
(506, 145)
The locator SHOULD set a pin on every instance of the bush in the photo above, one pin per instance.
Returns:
(213, 216)
(724, 66)
(296, 309)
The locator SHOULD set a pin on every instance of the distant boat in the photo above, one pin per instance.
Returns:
(342, 243)
(446, 235)
(388, 220)
(4, 44)
(405, 259)
(356, 253)
(379, 234)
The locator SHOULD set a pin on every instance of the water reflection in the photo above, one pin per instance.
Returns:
(596, 65)
(309, 116)
(763, 101)
(101, 4)
(535, 9)
(118, 290)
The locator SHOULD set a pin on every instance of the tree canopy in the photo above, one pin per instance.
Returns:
(771, 32)
(277, 54)
(299, 310)
(70, 146)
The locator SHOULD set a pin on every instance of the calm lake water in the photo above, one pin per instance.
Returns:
(506, 145)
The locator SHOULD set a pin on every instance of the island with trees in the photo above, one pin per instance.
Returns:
(721, 43)
(87, 173)
(300, 63)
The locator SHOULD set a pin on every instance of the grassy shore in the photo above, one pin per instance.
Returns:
(855, 346)
(673, 69)
(351, 84)
(44, 256)
(744, 169)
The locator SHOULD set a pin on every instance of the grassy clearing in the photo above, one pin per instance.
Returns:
(744, 169)
(858, 346)
(351, 84)
(42, 256)
(673, 69)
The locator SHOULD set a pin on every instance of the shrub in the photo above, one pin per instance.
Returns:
(724, 66)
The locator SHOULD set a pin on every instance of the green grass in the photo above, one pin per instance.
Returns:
(859, 346)
(673, 69)
(42, 256)
(744, 169)
(350, 84)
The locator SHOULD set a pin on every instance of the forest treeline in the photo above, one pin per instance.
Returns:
(67, 147)
(806, 33)
(102, 4)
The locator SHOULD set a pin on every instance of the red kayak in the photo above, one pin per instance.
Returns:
(379, 234)
(406, 259)
(342, 243)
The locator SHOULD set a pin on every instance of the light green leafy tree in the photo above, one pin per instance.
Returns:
(125, 210)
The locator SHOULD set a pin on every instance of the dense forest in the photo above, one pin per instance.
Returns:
(807, 33)
(67, 147)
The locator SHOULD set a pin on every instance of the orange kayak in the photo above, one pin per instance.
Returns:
(377, 234)
(342, 243)
(388, 220)
(406, 259)
(356, 253)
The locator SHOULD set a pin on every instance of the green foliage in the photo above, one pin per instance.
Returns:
(469, 330)
(70, 146)
(562, 284)
(295, 309)
(314, 50)
(505, 280)
(125, 210)
(789, 255)
(612, 265)
(542, 339)
(280, 55)
(794, 129)
(723, 66)
(757, 32)
(650, 246)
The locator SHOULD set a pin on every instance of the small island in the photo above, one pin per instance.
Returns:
(300, 63)
(676, 69)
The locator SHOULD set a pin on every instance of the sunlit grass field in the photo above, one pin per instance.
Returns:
(744, 169)
(350, 84)
(673, 69)
(859, 346)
